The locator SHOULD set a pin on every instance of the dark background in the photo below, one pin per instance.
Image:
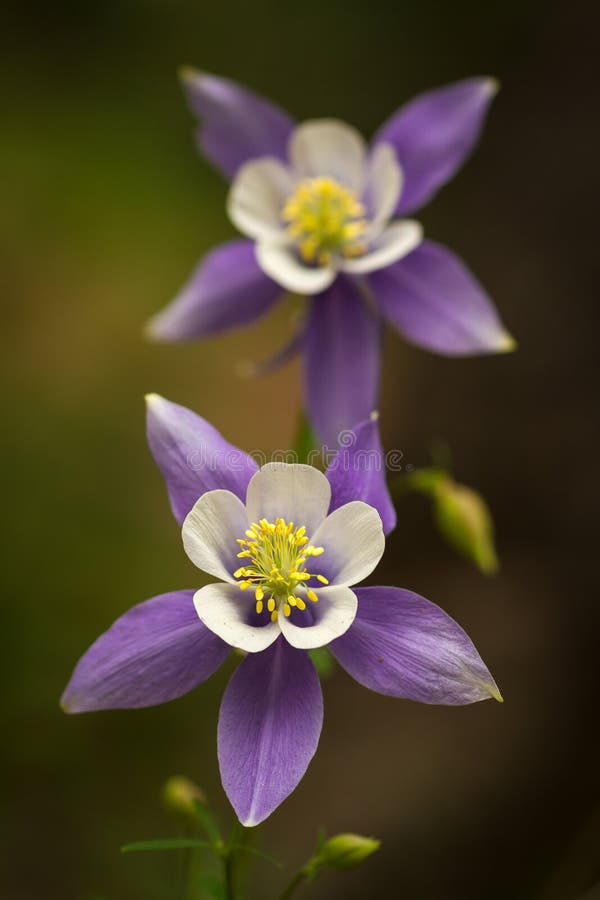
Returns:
(105, 209)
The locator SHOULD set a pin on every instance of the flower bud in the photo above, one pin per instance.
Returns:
(464, 520)
(346, 851)
(179, 794)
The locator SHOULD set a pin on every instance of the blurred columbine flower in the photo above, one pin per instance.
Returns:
(286, 543)
(324, 215)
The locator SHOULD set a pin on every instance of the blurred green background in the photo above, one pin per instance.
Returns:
(106, 208)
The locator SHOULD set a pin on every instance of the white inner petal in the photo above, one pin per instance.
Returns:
(329, 147)
(293, 492)
(396, 241)
(256, 199)
(210, 533)
(334, 614)
(228, 611)
(354, 542)
(383, 187)
(283, 266)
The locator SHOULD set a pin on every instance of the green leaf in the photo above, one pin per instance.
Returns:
(165, 844)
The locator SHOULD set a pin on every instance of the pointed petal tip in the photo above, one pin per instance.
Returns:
(152, 400)
(374, 415)
(491, 86)
(149, 330)
(188, 73)
(507, 344)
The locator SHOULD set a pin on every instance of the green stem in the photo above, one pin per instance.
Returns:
(294, 883)
(228, 872)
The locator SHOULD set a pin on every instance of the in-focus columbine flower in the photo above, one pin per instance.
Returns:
(286, 543)
(324, 215)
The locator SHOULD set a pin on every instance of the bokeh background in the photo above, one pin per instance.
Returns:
(105, 209)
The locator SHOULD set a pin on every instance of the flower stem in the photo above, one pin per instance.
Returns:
(296, 881)
(228, 872)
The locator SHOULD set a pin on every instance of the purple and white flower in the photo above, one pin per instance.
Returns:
(287, 545)
(324, 215)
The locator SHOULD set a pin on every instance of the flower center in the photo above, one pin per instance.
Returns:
(277, 554)
(325, 218)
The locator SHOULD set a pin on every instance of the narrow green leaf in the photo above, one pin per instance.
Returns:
(165, 844)
(244, 848)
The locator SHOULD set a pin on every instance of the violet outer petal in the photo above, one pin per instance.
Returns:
(404, 646)
(269, 726)
(342, 348)
(235, 123)
(157, 651)
(358, 472)
(434, 134)
(434, 301)
(192, 456)
(227, 290)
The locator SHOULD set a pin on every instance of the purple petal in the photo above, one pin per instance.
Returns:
(342, 361)
(434, 134)
(432, 298)
(235, 123)
(358, 472)
(269, 726)
(192, 456)
(402, 645)
(156, 652)
(228, 289)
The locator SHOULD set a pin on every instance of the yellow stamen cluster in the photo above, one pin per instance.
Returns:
(325, 218)
(277, 554)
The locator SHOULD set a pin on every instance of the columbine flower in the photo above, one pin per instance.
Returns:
(286, 544)
(324, 215)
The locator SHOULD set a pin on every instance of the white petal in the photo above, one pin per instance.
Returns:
(353, 540)
(283, 266)
(383, 187)
(257, 197)
(297, 493)
(396, 241)
(228, 612)
(210, 531)
(328, 147)
(333, 615)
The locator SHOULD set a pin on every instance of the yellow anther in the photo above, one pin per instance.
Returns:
(312, 596)
(275, 564)
(322, 579)
(324, 218)
(314, 551)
